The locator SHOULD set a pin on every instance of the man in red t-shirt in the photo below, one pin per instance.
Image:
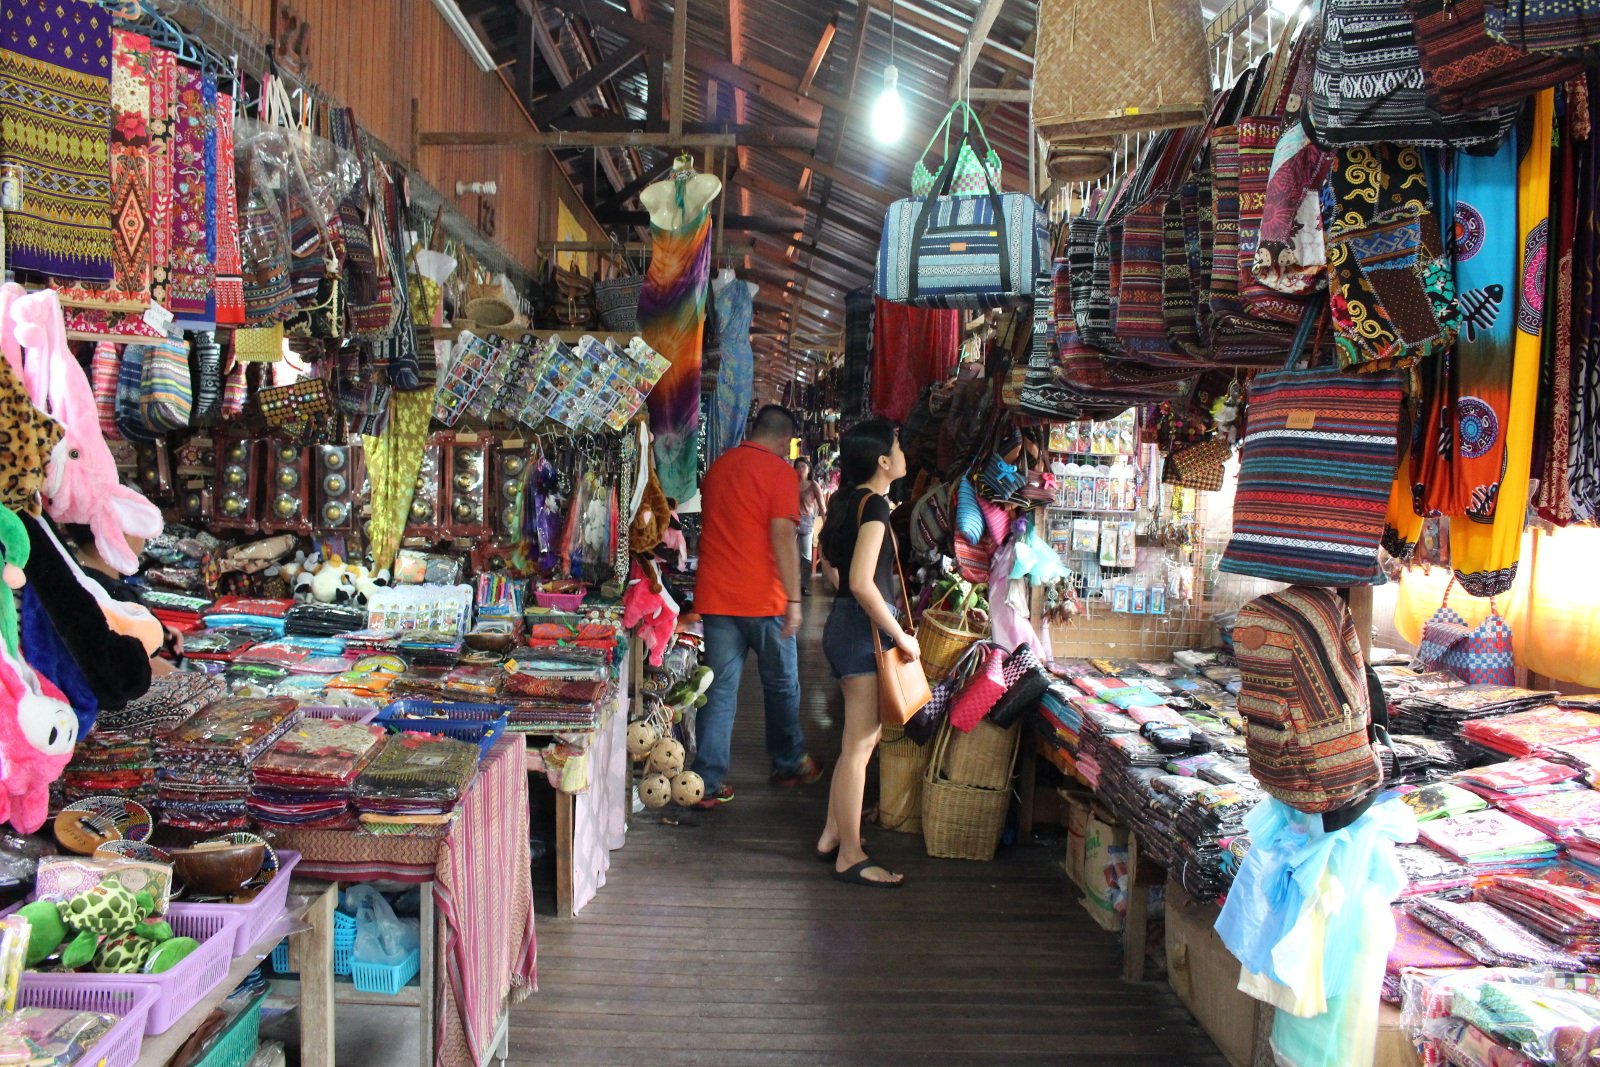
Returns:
(748, 592)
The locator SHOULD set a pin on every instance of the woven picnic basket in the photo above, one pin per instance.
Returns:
(901, 764)
(961, 822)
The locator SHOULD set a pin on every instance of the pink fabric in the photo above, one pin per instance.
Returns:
(481, 886)
(1008, 607)
(911, 349)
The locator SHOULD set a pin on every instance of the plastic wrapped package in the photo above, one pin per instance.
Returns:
(381, 937)
(1501, 1016)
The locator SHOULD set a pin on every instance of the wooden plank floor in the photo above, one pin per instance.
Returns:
(721, 940)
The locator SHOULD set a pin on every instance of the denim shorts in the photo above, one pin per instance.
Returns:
(848, 637)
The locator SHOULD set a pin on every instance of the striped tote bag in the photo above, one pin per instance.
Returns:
(166, 398)
(1315, 470)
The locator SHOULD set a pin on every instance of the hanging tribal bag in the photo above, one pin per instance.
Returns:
(1392, 288)
(1484, 656)
(1467, 69)
(1315, 471)
(1443, 631)
(1560, 27)
(371, 287)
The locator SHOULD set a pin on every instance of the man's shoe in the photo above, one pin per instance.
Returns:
(808, 773)
(723, 794)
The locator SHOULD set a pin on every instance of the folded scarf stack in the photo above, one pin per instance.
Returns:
(415, 778)
(305, 780)
(119, 755)
(205, 777)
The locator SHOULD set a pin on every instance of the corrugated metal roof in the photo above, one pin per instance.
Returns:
(843, 213)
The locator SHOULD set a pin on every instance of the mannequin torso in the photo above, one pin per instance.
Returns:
(662, 199)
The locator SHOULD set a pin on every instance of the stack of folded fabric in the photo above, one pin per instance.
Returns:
(1442, 801)
(1489, 841)
(432, 648)
(1558, 814)
(1208, 820)
(416, 779)
(543, 704)
(205, 761)
(1583, 847)
(1501, 783)
(1431, 873)
(451, 685)
(370, 678)
(324, 620)
(119, 755)
(1422, 759)
(1441, 713)
(177, 611)
(247, 611)
(1059, 725)
(1416, 945)
(1568, 917)
(1531, 732)
(373, 641)
(218, 648)
(1585, 757)
(1490, 936)
(304, 781)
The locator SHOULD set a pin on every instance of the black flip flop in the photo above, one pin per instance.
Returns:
(857, 875)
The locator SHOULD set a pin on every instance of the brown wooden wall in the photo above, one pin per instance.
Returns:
(376, 55)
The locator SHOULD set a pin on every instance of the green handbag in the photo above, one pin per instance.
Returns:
(969, 179)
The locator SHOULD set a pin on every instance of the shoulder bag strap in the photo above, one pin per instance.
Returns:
(894, 547)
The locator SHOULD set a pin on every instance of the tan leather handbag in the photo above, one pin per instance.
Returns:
(903, 688)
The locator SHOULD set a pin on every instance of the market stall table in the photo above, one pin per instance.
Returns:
(479, 909)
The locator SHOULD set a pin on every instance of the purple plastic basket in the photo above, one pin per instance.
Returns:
(120, 1046)
(185, 985)
(256, 918)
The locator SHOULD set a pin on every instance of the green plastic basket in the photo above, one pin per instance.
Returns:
(237, 1045)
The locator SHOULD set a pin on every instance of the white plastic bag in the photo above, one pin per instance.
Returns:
(380, 936)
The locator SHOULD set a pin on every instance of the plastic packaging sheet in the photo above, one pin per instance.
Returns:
(1498, 1017)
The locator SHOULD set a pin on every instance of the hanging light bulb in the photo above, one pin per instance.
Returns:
(889, 113)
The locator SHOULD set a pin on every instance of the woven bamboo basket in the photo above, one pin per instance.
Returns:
(982, 758)
(901, 765)
(961, 822)
(944, 636)
(1148, 68)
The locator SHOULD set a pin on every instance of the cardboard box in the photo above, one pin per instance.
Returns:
(1077, 807)
(1105, 870)
(1205, 976)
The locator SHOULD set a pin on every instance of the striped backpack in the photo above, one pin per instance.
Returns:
(1305, 700)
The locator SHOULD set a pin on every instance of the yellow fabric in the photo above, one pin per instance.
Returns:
(393, 462)
(1554, 626)
(1485, 557)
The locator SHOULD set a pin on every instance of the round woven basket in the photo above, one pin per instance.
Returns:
(901, 765)
(943, 637)
(492, 312)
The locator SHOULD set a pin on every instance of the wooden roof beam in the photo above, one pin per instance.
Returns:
(818, 55)
(977, 36)
(557, 104)
(777, 92)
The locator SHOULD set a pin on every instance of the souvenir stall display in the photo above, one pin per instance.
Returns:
(1320, 331)
(273, 416)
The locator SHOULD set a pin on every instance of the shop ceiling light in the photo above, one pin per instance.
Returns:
(463, 30)
(889, 113)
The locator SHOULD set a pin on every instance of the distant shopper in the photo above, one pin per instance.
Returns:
(748, 591)
(811, 505)
(856, 541)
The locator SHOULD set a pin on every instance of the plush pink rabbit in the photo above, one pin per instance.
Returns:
(650, 612)
(35, 743)
(81, 483)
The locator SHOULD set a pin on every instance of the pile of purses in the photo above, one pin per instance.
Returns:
(986, 683)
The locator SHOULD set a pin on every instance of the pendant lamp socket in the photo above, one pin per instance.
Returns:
(889, 113)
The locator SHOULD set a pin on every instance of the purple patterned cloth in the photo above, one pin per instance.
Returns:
(1490, 936)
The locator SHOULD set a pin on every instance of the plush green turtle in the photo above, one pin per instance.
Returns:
(106, 909)
(125, 953)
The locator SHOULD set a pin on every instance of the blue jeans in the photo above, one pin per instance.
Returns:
(729, 639)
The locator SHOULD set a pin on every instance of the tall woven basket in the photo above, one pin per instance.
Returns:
(944, 636)
(982, 758)
(962, 822)
(1147, 67)
(901, 764)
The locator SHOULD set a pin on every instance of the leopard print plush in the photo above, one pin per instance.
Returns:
(27, 437)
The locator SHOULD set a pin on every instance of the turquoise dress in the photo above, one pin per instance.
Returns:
(736, 374)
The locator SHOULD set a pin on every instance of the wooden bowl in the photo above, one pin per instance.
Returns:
(218, 867)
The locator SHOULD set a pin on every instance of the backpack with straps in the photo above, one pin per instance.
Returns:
(1305, 700)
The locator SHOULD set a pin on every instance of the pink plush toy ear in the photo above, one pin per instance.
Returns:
(82, 483)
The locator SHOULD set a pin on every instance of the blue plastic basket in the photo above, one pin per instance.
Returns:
(344, 947)
(386, 978)
(237, 1045)
(481, 724)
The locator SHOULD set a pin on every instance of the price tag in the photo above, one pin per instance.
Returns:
(158, 318)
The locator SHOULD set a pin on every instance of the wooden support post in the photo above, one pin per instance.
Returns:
(982, 22)
(1142, 876)
(564, 847)
(680, 75)
(1361, 612)
(312, 954)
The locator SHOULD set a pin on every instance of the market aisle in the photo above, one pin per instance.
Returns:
(722, 941)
